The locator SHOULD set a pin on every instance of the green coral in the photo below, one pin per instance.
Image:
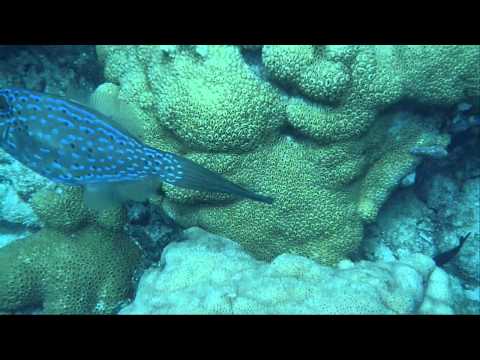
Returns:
(81, 262)
(212, 112)
(48, 205)
(309, 131)
(443, 75)
(304, 67)
(307, 219)
(394, 137)
(205, 102)
(346, 114)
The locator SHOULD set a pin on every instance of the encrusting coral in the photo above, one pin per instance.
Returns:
(314, 130)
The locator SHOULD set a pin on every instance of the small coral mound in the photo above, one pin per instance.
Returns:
(207, 274)
(79, 263)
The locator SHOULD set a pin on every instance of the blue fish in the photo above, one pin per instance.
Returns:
(72, 144)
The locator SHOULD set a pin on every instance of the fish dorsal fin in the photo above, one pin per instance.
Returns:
(119, 113)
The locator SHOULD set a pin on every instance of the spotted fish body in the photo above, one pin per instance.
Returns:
(72, 144)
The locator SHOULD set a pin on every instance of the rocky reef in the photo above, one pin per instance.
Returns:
(432, 214)
(353, 142)
(17, 184)
(63, 70)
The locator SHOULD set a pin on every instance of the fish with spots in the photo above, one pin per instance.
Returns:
(76, 145)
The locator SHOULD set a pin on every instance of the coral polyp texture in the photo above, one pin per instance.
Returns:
(207, 274)
(80, 262)
(313, 126)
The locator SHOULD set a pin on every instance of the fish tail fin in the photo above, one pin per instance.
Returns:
(197, 177)
(462, 239)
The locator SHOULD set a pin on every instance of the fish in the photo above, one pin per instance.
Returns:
(446, 256)
(434, 151)
(72, 144)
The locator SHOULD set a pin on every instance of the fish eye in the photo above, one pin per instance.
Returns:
(4, 105)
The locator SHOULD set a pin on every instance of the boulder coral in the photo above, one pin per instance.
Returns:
(315, 128)
(207, 274)
(80, 262)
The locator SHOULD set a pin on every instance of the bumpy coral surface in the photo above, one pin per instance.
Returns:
(207, 274)
(313, 126)
(80, 262)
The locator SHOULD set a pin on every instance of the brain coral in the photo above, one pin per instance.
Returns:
(79, 263)
(312, 126)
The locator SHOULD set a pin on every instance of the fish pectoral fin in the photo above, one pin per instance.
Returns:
(138, 190)
(99, 197)
(106, 196)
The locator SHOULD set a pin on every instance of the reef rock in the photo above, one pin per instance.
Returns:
(17, 184)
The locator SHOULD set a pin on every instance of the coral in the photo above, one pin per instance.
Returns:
(188, 97)
(304, 67)
(63, 70)
(443, 75)
(405, 131)
(62, 209)
(319, 134)
(88, 272)
(14, 210)
(438, 294)
(207, 274)
(81, 262)
(315, 221)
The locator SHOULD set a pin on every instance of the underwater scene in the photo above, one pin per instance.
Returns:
(239, 179)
